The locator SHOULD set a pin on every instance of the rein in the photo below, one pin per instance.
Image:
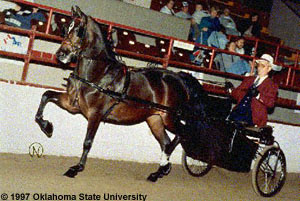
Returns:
(212, 82)
(123, 97)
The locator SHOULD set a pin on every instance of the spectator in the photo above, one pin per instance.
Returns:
(232, 63)
(7, 5)
(24, 21)
(184, 13)
(199, 13)
(229, 23)
(4, 7)
(218, 39)
(168, 9)
(208, 25)
(240, 42)
(196, 19)
(223, 60)
(251, 28)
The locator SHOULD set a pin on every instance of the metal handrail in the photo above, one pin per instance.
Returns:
(165, 61)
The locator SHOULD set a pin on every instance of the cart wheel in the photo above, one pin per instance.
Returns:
(269, 172)
(194, 167)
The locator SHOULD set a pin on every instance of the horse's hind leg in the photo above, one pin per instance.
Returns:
(157, 127)
(60, 99)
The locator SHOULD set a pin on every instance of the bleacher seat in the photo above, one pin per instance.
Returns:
(61, 21)
(126, 40)
(163, 46)
(147, 49)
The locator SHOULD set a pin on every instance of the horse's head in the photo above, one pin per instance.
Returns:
(75, 37)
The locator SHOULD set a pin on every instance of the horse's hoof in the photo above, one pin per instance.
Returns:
(71, 173)
(162, 171)
(48, 129)
(46, 126)
(153, 177)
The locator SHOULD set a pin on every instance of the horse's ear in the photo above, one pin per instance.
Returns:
(73, 11)
(76, 12)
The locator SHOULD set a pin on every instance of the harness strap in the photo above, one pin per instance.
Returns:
(123, 97)
(124, 91)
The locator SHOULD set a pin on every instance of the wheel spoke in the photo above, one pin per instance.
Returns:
(270, 172)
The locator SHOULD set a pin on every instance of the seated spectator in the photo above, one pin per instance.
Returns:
(218, 39)
(168, 9)
(199, 13)
(7, 5)
(229, 23)
(240, 42)
(196, 19)
(24, 21)
(252, 27)
(231, 63)
(208, 25)
(184, 13)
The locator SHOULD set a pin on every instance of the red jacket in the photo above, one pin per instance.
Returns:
(268, 94)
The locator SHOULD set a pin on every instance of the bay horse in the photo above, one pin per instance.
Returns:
(103, 90)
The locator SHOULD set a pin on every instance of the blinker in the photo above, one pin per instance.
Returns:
(81, 32)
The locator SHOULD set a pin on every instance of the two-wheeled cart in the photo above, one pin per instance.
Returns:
(235, 147)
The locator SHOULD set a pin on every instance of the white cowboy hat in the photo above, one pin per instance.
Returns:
(269, 58)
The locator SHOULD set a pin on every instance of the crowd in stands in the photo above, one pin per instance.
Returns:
(211, 27)
(208, 27)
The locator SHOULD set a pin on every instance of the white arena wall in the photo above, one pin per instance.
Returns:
(18, 130)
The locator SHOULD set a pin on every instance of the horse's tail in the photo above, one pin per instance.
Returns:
(194, 106)
(191, 118)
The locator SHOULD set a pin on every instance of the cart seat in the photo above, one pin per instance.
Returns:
(265, 134)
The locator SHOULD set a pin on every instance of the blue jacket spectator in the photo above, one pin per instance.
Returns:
(208, 25)
(24, 22)
(218, 39)
(231, 63)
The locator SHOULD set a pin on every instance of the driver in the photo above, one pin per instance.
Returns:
(255, 95)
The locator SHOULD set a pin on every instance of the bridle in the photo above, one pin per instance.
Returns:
(76, 47)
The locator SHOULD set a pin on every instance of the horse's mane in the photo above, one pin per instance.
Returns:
(108, 43)
(102, 32)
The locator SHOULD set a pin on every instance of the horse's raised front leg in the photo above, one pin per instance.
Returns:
(157, 127)
(93, 124)
(59, 98)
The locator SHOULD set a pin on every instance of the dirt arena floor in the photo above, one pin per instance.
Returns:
(104, 178)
